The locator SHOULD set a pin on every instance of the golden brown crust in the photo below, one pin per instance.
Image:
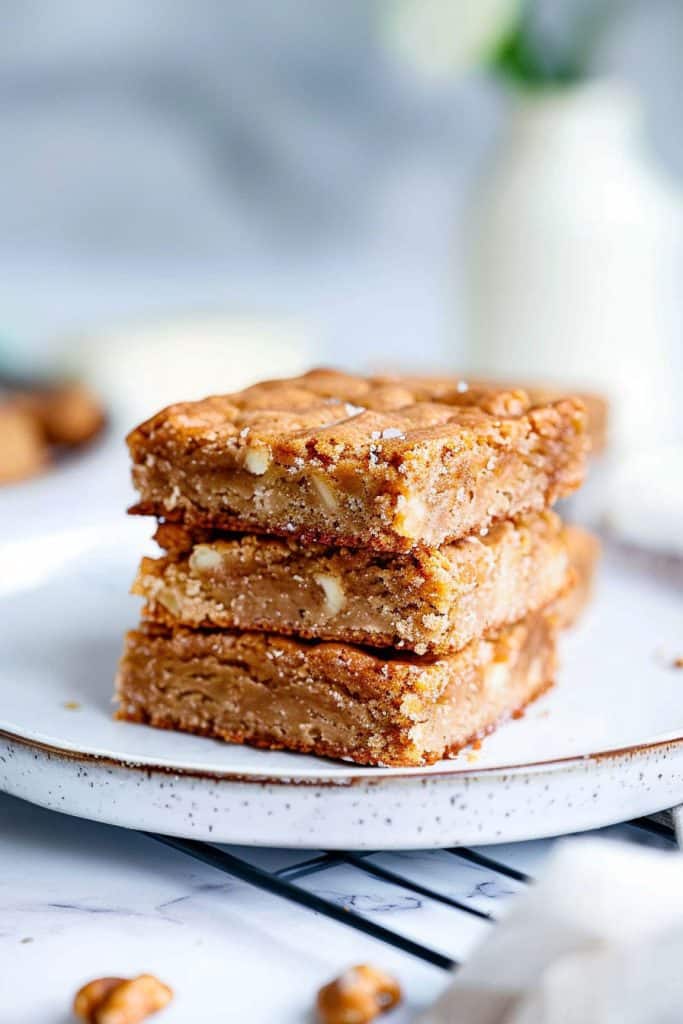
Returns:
(597, 406)
(332, 699)
(388, 462)
(429, 601)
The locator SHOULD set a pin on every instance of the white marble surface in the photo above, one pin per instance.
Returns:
(78, 900)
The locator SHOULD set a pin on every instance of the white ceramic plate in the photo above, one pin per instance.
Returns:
(605, 745)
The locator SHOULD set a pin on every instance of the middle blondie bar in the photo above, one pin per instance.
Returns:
(430, 601)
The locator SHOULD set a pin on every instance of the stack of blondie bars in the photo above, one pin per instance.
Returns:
(361, 568)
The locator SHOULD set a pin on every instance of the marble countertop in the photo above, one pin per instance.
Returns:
(79, 900)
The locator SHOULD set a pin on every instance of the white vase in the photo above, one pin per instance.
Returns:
(574, 260)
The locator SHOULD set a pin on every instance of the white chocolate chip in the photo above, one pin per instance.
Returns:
(335, 598)
(411, 516)
(257, 460)
(325, 491)
(204, 558)
(463, 386)
(392, 432)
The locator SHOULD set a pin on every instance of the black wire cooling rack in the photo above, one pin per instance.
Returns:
(282, 882)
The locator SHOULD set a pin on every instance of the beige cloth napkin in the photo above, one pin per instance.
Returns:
(598, 940)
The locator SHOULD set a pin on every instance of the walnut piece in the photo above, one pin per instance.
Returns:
(358, 996)
(121, 1000)
(93, 995)
(335, 599)
(325, 492)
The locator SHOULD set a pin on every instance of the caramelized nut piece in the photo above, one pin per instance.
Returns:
(118, 1001)
(357, 996)
(92, 995)
(325, 492)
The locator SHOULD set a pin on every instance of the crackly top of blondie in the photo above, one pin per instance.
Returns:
(326, 414)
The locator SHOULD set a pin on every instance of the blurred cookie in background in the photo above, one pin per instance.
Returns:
(38, 424)
(23, 451)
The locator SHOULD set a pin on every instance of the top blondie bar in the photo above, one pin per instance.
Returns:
(383, 462)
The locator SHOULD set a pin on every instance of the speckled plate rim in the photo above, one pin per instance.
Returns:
(365, 774)
(384, 812)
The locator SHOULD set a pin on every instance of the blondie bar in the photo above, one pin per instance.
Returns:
(432, 600)
(383, 462)
(329, 699)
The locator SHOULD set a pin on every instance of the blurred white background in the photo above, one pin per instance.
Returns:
(162, 158)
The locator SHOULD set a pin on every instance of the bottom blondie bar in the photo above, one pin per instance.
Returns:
(333, 699)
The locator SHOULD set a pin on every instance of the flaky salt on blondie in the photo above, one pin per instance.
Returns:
(428, 601)
(383, 462)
